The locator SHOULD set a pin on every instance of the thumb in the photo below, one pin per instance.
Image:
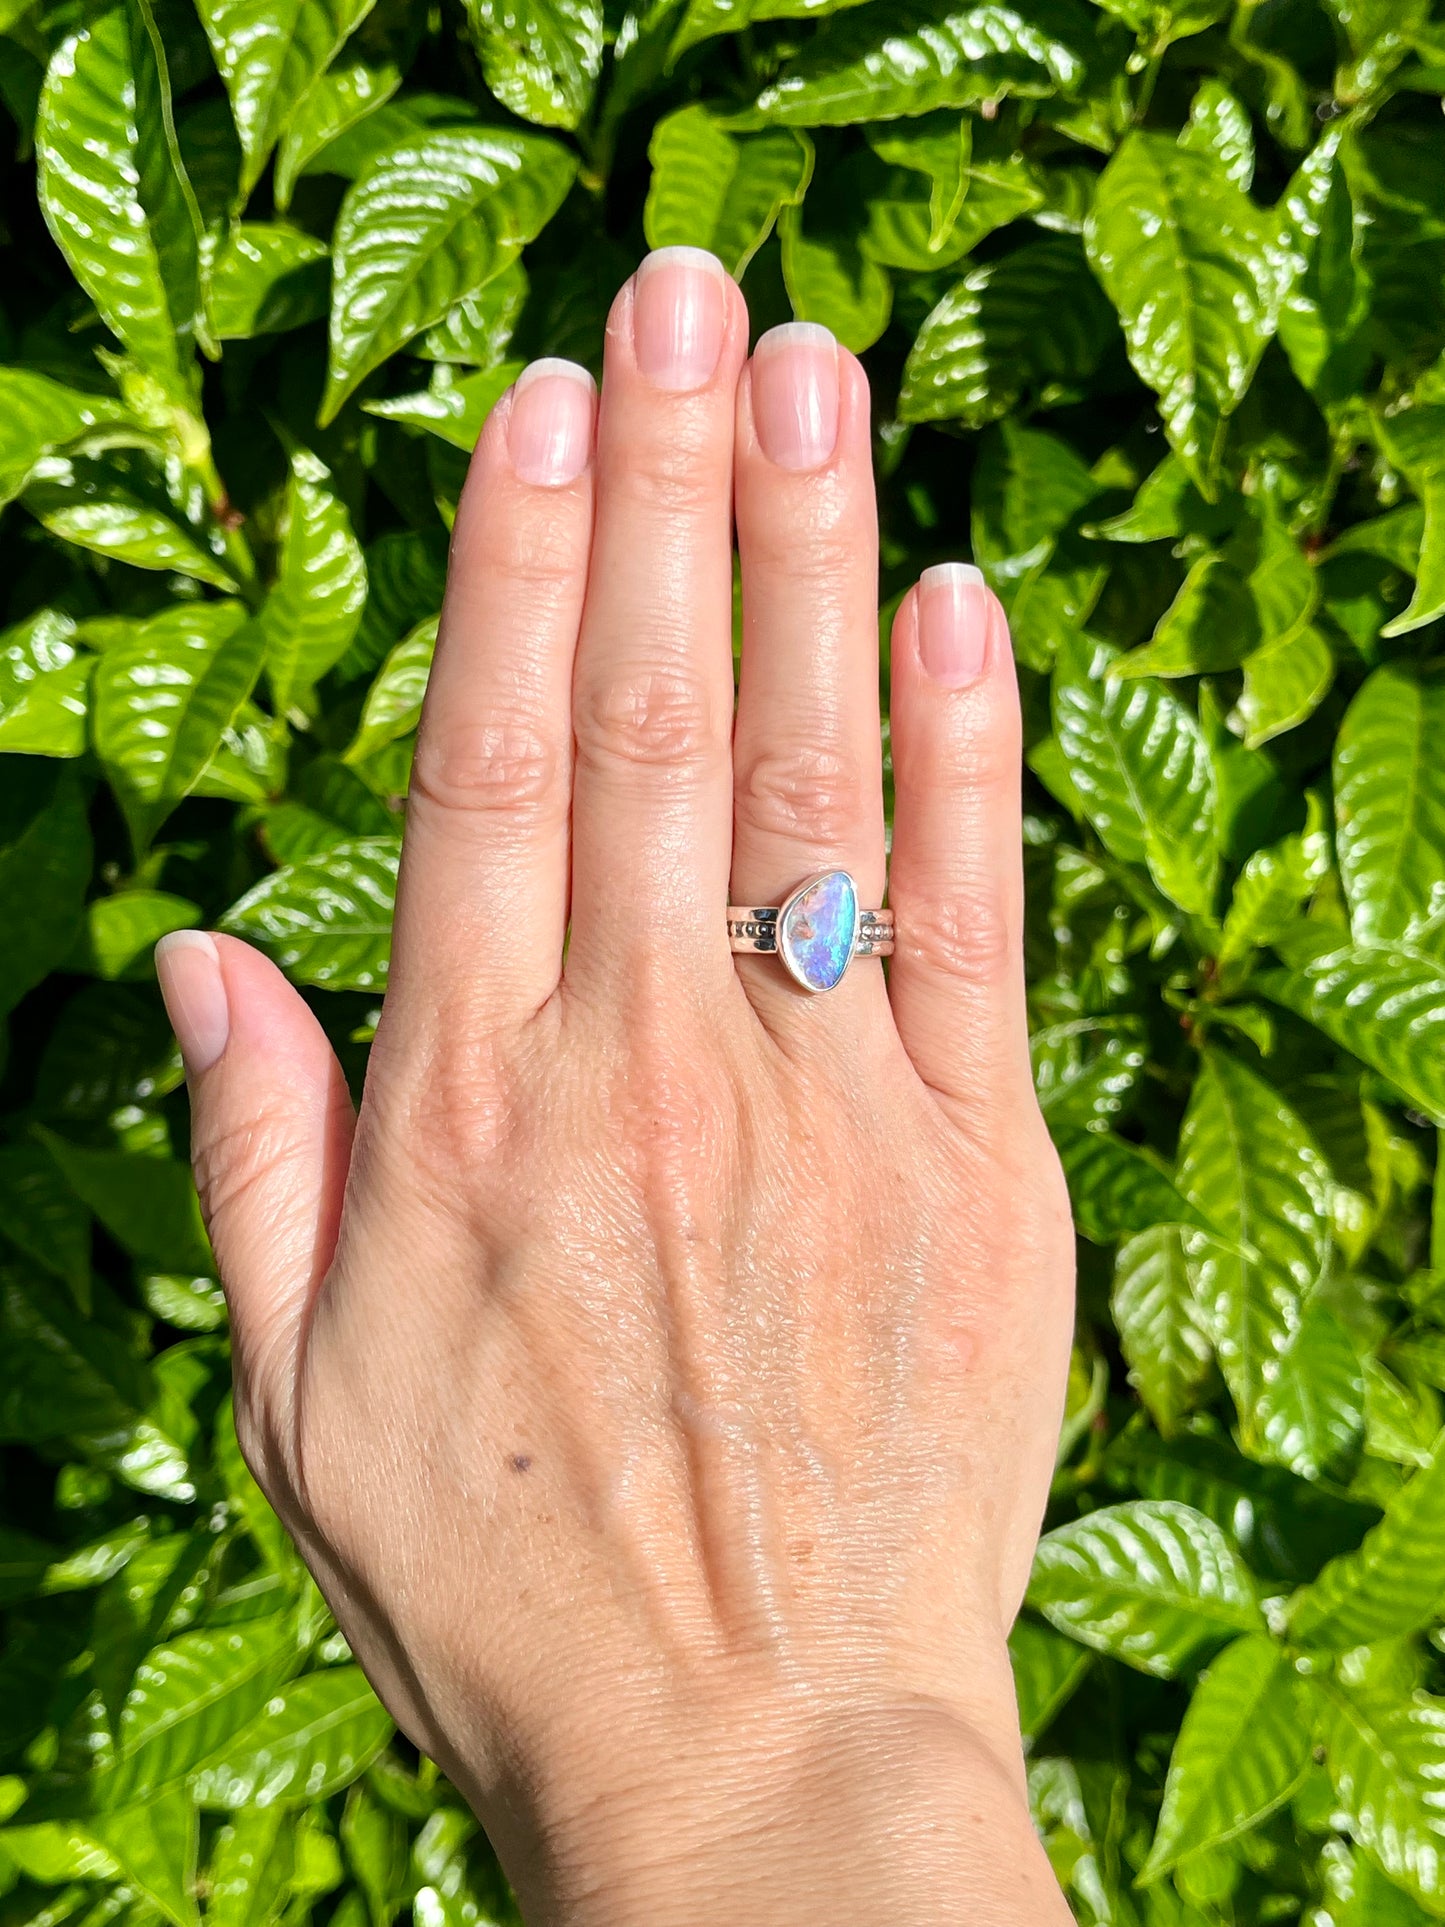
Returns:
(271, 1130)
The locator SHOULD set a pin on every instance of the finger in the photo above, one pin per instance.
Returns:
(956, 883)
(652, 696)
(482, 898)
(807, 757)
(271, 1129)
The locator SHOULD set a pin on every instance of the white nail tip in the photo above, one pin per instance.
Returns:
(951, 575)
(680, 257)
(186, 940)
(796, 334)
(553, 365)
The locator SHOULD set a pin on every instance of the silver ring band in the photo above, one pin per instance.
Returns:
(817, 930)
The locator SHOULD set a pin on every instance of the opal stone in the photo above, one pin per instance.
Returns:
(817, 928)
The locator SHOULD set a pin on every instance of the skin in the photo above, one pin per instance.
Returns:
(661, 1375)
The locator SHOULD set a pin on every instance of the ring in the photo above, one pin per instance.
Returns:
(817, 931)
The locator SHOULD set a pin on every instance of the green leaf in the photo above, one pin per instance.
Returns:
(1272, 887)
(1031, 323)
(37, 415)
(1220, 125)
(334, 103)
(164, 698)
(541, 58)
(310, 615)
(1386, 1757)
(147, 1204)
(375, 1842)
(65, 1373)
(1152, 1583)
(1328, 292)
(1284, 684)
(266, 279)
(43, 1218)
(122, 930)
(704, 19)
(45, 854)
(478, 330)
(250, 1869)
(1247, 1162)
(1116, 1188)
(326, 920)
(1393, 1583)
(268, 57)
(154, 1844)
(393, 702)
(1257, 592)
(1242, 1750)
(1390, 804)
(1161, 1333)
(938, 146)
(1387, 1005)
(128, 506)
(1047, 1670)
(430, 220)
(454, 408)
(318, 1734)
(1313, 1407)
(113, 190)
(1196, 275)
(927, 54)
(831, 281)
(44, 688)
(1142, 771)
(718, 190)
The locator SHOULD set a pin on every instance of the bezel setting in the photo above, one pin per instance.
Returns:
(785, 948)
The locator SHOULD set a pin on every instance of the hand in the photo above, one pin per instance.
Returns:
(662, 1375)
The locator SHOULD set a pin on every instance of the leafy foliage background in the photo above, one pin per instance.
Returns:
(1153, 298)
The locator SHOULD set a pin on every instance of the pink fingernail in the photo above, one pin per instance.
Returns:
(679, 313)
(954, 617)
(795, 394)
(189, 968)
(549, 431)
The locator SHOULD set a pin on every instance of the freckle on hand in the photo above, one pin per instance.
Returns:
(521, 1462)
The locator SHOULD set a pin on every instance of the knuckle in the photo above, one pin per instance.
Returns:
(654, 719)
(963, 934)
(817, 794)
(486, 766)
(671, 475)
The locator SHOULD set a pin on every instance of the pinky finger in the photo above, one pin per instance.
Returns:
(956, 885)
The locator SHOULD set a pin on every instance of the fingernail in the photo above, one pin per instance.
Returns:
(795, 394)
(549, 431)
(679, 311)
(189, 968)
(953, 622)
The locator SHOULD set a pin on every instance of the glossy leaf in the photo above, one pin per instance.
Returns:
(1193, 269)
(1117, 1189)
(1386, 1756)
(1390, 804)
(326, 920)
(393, 703)
(454, 408)
(163, 699)
(45, 858)
(335, 102)
(44, 687)
(268, 57)
(1284, 684)
(429, 221)
(267, 279)
(1047, 1670)
(310, 615)
(128, 506)
(113, 190)
(38, 414)
(1242, 1750)
(831, 281)
(721, 191)
(1161, 1332)
(1385, 1004)
(1152, 1583)
(541, 58)
(318, 1734)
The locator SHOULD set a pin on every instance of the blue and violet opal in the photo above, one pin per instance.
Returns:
(817, 930)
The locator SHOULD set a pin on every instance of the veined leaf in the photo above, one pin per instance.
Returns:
(1386, 1758)
(1033, 321)
(704, 19)
(310, 615)
(147, 1204)
(45, 858)
(266, 279)
(541, 58)
(268, 57)
(1257, 592)
(718, 190)
(113, 189)
(1284, 684)
(428, 221)
(1247, 1162)
(1219, 124)
(1273, 886)
(928, 54)
(44, 687)
(1194, 270)
(1384, 1003)
(454, 408)
(37, 415)
(164, 698)
(940, 147)
(250, 1869)
(1393, 1583)
(327, 920)
(1142, 770)
(129, 506)
(154, 1844)
(336, 101)
(1160, 1329)
(393, 703)
(317, 1734)
(1243, 1749)
(1390, 804)
(1152, 1582)
(1116, 1189)
(1313, 1406)
(831, 280)
(1047, 1669)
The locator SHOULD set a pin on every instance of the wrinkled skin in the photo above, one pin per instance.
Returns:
(662, 1375)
